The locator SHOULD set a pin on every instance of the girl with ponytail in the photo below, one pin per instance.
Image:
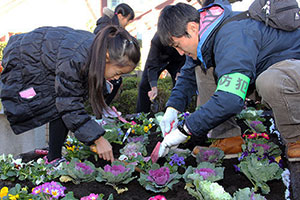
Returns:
(50, 72)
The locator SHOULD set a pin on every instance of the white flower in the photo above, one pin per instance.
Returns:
(286, 181)
(123, 157)
(40, 161)
(3, 157)
(286, 177)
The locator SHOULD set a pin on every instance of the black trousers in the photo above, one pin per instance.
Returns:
(143, 102)
(57, 135)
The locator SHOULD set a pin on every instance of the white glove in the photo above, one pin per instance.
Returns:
(172, 139)
(169, 118)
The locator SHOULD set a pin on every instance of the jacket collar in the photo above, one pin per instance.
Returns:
(211, 17)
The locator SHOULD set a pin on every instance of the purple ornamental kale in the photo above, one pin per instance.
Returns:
(160, 176)
(116, 169)
(205, 172)
(85, 168)
(136, 139)
(265, 146)
(253, 124)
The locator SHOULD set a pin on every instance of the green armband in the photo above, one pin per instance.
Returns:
(235, 83)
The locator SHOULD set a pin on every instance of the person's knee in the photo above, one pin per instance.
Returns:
(268, 83)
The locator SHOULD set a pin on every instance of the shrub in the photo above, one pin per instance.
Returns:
(126, 100)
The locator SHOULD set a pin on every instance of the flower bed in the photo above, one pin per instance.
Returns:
(171, 181)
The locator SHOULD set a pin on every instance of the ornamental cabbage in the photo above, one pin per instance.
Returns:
(158, 179)
(78, 171)
(247, 194)
(206, 190)
(209, 154)
(206, 171)
(260, 171)
(116, 174)
(159, 176)
(132, 148)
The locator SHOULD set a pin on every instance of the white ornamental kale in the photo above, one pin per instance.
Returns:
(158, 179)
(206, 190)
(247, 194)
(116, 173)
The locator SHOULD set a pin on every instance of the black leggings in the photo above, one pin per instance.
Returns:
(57, 136)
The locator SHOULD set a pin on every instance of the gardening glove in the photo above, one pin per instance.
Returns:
(171, 140)
(153, 93)
(169, 121)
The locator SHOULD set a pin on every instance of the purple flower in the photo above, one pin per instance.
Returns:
(205, 172)
(236, 168)
(120, 132)
(253, 150)
(185, 115)
(116, 169)
(176, 159)
(244, 154)
(52, 189)
(160, 176)
(85, 168)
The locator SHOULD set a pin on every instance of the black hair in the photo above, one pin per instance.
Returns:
(173, 21)
(205, 3)
(123, 50)
(123, 9)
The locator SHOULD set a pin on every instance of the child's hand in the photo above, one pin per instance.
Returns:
(104, 149)
(153, 93)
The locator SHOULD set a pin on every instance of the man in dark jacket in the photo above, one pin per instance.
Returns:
(240, 54)
(160, 58)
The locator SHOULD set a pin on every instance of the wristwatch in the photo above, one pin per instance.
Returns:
(183, 129)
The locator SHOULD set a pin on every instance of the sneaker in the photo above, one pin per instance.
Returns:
(54, 162)
(293, 151)
(231, 146)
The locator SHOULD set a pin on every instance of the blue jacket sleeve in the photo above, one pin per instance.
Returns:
(185, 86)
